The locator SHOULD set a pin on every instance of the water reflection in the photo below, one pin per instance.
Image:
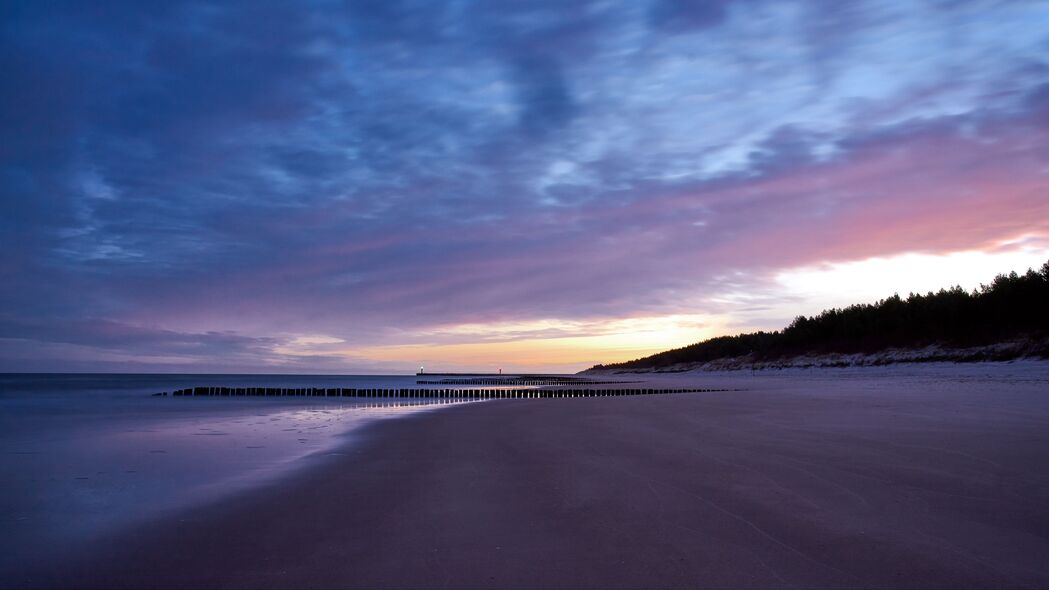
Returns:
(85, 468)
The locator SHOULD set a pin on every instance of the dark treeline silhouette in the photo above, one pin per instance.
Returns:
(1012, 307)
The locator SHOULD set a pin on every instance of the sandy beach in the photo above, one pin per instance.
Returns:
(589, 294)
(899, 477)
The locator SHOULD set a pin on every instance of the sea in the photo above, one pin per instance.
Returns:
(84, 455)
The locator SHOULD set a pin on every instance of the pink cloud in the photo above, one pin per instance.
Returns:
(928, 188)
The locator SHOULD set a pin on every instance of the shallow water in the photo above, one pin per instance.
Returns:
(81, 455)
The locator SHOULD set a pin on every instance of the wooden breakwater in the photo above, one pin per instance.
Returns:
(425, 393)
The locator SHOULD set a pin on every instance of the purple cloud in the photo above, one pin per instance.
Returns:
(206, 182)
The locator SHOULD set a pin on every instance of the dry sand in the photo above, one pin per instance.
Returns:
(904, 477)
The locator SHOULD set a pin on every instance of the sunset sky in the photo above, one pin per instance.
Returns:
(375, 186)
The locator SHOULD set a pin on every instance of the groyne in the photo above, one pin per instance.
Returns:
(430, 393)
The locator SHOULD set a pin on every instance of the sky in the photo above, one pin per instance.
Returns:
(375, 186)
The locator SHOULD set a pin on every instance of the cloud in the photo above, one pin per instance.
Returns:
(687, 15)
(103, 345)
(546, 102)
(237, 178)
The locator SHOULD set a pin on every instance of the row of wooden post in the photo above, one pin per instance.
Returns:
(505, 393)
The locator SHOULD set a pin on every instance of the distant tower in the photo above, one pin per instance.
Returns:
(422, 370)
(500, 370)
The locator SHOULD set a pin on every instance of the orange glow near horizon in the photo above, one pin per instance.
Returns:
(566, 345)
(802, 291)
(530, 347)
(547, 345)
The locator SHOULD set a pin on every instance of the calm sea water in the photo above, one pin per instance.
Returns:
(115, 386)
(83, 455)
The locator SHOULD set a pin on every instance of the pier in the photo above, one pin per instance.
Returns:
(428, 393)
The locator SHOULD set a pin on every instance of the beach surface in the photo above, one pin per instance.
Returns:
(85, 456)
(924, 476)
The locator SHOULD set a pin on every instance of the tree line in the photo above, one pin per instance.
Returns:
(1012, 306)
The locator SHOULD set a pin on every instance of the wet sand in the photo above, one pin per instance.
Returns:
(78, 467)
(807, 479)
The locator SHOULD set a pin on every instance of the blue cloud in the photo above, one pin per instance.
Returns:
(397, 163)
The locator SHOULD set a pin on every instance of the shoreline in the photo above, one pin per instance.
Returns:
(868, 480)
(80, 466)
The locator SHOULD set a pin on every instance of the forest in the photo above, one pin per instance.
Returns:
(1013, 306)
